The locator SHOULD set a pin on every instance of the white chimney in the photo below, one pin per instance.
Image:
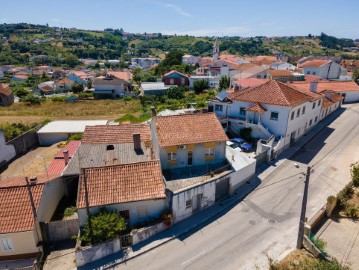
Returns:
(33, 180)
(66, 156)
(313, 86)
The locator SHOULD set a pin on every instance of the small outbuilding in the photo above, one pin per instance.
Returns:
(57, 131)
(6, 95)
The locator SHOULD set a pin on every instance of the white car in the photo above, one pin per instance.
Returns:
(233, 145)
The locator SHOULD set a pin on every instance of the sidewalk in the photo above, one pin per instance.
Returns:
(199, 220)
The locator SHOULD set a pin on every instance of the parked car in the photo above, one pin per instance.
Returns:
(238, 140)
(246, 147)
(233, 145)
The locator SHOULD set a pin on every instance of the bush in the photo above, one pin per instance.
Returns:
(199, 86)
(351, 210)
(75, 137)
(58, 99)
(77, 88)
(331, 199)
(354, 171)
(106, 225)
(85, 95)
(69, 211)
(31, 99)
(345, 195)
(127, 98)
(175, 92)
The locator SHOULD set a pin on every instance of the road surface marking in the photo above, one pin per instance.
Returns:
(191, 259)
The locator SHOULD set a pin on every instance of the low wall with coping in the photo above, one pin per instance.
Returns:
(145, 233)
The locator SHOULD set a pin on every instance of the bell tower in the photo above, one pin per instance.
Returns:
(216, 50)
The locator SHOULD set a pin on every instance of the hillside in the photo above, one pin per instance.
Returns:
(21, 43)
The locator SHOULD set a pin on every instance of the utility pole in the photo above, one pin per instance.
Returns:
(87, 205)
(33, 208)
(303, 211)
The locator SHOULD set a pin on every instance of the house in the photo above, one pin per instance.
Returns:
(145, 62)
(153, 88)
(135, 190)
(7, 152)
(326, 69)
(249, 82)
(46, 87)
(348, 89)
(79, 77)
(198, 167)
(331, 102)
(282, 66)
(259, 72)
(213, 81)
(262, 60)
(58, 73)
(350, 65)
(189, 59)
(64, 84)
(19, 78)
(6, 95)
(126, 76)
(175, 77)
(22, 209)
(57, 131)
(109, 86)
(271, 110)
(281, 75)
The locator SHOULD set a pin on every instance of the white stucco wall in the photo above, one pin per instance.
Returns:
(7, 152)
(51, 138)
(351, 96)
(198, 156)
(118, 88)
(329, 71)
(154, 208)
(23, 243)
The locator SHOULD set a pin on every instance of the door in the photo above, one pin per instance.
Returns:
(189, 158)
(196, 202)
(222, 189)
(292, 138)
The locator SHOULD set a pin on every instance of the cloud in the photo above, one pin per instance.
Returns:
(225, 31)
(179, 10)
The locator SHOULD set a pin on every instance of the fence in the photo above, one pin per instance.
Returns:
(60, 230)
(262, 158)
(25, 141)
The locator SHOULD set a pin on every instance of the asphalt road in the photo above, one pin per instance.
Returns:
(265, 224)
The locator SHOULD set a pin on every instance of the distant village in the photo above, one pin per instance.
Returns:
(156, 173)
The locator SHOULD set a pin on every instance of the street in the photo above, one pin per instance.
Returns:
(265, 224)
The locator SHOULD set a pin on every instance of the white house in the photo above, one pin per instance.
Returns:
(109, 86)
(154, 88)
(145, 62)
(282, 66)
(7, 152)
(213, 81)
(326, 69)
(189, 59)
(273, 109)
(79, 77)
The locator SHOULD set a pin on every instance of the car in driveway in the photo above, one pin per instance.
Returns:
(238, 140)
(246, 147)
(233, 145)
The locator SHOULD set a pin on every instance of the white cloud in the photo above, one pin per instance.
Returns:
(179, 10)
(225, 31)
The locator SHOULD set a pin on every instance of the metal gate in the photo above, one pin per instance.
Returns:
(222, 189)
(126, 240)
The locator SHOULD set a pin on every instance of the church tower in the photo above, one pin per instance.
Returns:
(216, 50)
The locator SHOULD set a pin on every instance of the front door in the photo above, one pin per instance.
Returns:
(190, 158)
(292, 137)
(196, 202)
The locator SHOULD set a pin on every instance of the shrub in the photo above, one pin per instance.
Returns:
(58, 99)
(175, 92)
(354, 171)
(331, 199)
(200, 85)
(127, 98)
(31, 99)
(69, 211)
(351, 210)
(85, 95)
(106, 225)
(345, 195)
(75, 137)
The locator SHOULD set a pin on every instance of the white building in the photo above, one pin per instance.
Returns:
(57, 131)
(144, 62)
(282, 66)
(189, 59)
(154, 88)
(213, 81)
(326, 69)
(109, 86)
(7, 152)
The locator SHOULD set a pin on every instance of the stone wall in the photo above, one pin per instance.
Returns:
(144, 233)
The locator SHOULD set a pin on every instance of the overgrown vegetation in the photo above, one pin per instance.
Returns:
(69, 211)
(106, 225)
(75, 137)
(13, 130)
(133, 119)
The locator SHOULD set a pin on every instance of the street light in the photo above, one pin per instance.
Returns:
(304, 207)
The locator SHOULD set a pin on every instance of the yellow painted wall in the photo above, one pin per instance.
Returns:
(23, 242)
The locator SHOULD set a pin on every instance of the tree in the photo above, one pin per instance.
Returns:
(89, 84)
(77, 88)
(224, 82)
(106, 225)
(175, 92)
(356, 76)
(200, 85)
(31, 99)
(354, 171)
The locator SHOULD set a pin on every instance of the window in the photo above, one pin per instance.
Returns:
(6, 244)
(319, 102)
(310, 122)
(209, 151)
(188, 203)
(125, 214)
(142, 212)
(218, 108)
(313, 105)
(316, 119)
(298, 112)
(172, 156)
(172, 81)
(110, 147)
(265, 77)
(242, 111)
(303, 110)
(292, 116)
(314, 73)
(274, 116)
(258, 76)
(308, 72)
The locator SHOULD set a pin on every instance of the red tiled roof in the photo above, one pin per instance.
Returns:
(18, 181)
(326, 103)
(46, 88)
(5, 89)
(256, 108)
(336, 86)
(245, 66)
(174, 71)
(23, 77)
(189, 129)
(115, 133)
(72, 147)
(250, 82)
(123, 75)
(310, 78)
(272, 92)
(57, 165)
(15, 208)
(280, 73)
(316, 63)
(122, 183)
(64, 81)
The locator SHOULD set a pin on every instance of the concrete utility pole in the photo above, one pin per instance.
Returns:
(303, 211)
(87, 206)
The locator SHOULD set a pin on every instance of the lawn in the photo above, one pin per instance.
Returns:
(91, 109)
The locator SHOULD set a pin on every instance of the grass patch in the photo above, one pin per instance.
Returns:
(133, 119)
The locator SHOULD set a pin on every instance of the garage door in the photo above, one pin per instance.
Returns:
(222, 189)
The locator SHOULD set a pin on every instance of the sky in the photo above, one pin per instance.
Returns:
(193, 17)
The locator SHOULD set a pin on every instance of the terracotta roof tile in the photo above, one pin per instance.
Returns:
(280, 73)
(57, 165)
(174, 71)
(335, 86)
(256, 108)
(272, 92)
(123, 75)
(326, 103)
(15, 208)
(316, 63)
(5, 89)
(122, 183)
(250, 82)
(18, 181)
(72, 147)
(189, 129)
(115, 133)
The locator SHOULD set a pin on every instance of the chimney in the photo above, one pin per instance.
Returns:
(137, 141)
(33, 180)
(313, 86)
(66, 156)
